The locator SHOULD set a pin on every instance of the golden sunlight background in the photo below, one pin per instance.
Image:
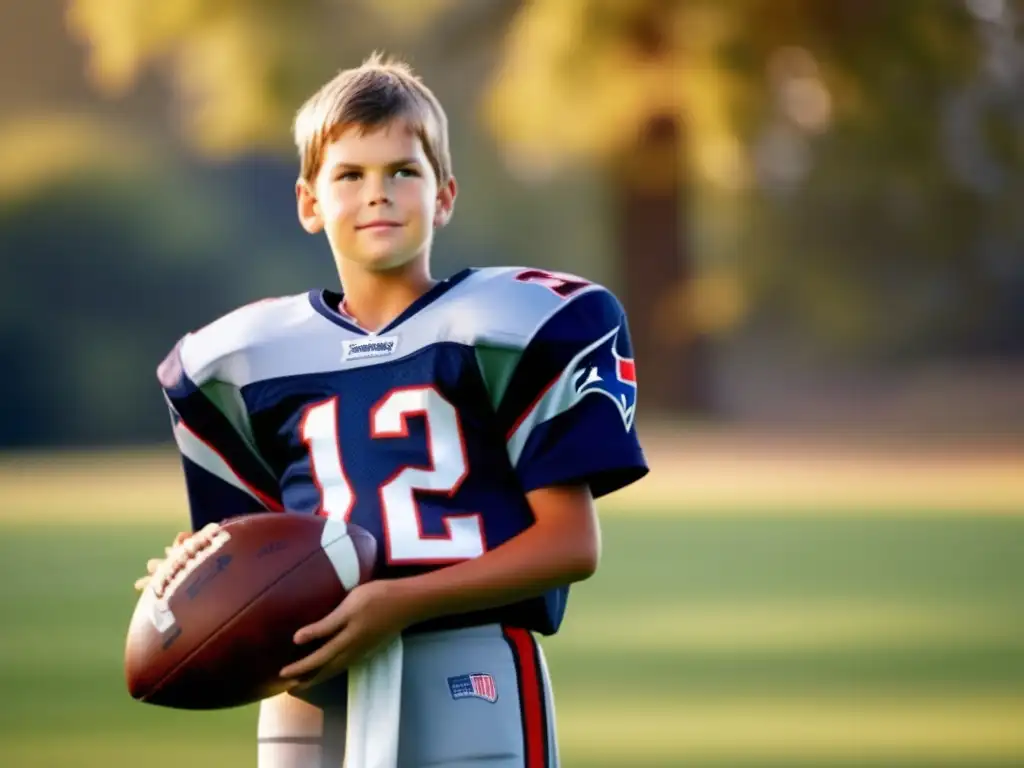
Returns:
(811, 211)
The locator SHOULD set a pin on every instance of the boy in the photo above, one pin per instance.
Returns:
(456, 420)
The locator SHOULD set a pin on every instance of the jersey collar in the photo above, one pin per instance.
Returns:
(325, 302)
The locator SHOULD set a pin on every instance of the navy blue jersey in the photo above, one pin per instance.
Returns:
(429, 432)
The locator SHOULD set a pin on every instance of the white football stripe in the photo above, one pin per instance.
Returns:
(341, 551)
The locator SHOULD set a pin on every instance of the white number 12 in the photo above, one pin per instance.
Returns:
(404, 539)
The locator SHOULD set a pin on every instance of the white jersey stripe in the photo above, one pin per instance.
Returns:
(198, 452)
(559, 398)
(257, 342)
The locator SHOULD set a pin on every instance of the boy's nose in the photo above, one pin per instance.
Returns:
(377, 191)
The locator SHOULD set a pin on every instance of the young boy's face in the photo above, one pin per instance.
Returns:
(376, 197)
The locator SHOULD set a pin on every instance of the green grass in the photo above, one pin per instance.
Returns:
(755, 643)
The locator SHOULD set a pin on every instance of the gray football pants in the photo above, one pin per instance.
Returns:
(474, 696)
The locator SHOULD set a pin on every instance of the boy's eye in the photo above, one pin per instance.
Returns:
(407, 172)
(347, 176)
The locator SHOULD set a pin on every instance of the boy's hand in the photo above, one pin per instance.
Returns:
(184, 544)
(366, 619)
(154, 563)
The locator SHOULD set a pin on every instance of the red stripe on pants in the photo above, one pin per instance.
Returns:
(531, 696)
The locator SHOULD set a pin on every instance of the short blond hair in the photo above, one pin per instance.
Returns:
(370, 96)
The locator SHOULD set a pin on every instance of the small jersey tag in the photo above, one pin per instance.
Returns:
(373, 346)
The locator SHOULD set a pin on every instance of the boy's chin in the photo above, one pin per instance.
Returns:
(386, 262)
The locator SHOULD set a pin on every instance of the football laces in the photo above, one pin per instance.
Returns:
(186, 557)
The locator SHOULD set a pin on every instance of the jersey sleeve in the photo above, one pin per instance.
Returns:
(225, 475)
(568, 410)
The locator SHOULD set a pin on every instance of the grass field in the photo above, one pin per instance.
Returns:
(744, 639)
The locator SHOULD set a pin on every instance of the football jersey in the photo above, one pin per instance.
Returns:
(429, 432)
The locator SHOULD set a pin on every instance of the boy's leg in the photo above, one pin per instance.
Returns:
(306, 731)
(479, 695)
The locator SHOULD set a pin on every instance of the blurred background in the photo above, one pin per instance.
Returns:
(813, 212)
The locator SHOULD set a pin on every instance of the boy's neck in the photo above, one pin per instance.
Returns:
(374, 299)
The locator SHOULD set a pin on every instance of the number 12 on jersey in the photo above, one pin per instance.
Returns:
(401, 520)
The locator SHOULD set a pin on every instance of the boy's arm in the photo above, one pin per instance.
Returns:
(224, 474)
(563, 546)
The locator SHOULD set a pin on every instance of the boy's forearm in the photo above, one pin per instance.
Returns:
(526, 566)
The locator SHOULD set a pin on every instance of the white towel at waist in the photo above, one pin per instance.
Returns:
(374, 709)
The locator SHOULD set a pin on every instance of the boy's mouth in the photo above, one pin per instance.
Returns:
(379, 224)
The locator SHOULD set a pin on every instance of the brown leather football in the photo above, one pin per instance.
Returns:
(217, 632)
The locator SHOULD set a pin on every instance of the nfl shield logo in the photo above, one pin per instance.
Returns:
(477, 686)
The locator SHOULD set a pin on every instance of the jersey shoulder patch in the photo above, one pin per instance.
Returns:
(503, 312)
(208, 353)
(505, 306)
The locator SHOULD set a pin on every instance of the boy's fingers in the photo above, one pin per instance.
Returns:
(180, 539)
(191, 544)
(154, 563)
(314, 661)
(330, 624)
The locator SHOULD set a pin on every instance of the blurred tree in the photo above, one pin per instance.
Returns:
(583, 80)
(866, 235)
(95, 267)
(244, 65)
(776, 103)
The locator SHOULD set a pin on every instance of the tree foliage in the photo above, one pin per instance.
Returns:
(575, 79)
(844, 151)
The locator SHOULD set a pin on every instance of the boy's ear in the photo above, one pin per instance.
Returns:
(445, 202)
(308, 207)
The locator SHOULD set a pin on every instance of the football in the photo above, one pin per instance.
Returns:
(215, 631)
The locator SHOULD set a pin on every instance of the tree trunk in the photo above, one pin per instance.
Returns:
(655, 271)
(656, 268)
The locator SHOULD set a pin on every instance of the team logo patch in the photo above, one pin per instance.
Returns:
(602, 369)
(374, 346)
(476, 686)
